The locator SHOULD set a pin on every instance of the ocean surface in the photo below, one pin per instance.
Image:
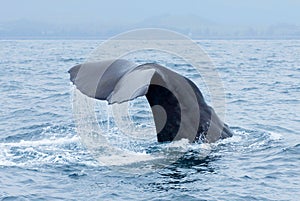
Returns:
(43, 158)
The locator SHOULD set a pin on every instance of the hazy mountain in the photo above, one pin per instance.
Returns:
(192, 25)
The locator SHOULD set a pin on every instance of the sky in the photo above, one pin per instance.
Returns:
(233, 12)
(207, 18)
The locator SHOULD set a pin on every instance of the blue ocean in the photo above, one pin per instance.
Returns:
(42, 157)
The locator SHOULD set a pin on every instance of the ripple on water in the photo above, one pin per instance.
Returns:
(41, 157)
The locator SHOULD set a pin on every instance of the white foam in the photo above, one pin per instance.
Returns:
(16, 153)
(275, 136)
(42, 142)
(125, 158)
(233, 139)
(183, 143)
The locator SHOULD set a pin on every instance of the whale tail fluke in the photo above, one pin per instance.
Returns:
(177, 105)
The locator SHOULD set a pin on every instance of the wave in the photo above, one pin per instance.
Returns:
(133, 155)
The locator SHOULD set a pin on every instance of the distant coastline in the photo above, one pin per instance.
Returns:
(193, 26)
(105, 38)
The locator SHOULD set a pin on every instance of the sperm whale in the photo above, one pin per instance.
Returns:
(178, 106)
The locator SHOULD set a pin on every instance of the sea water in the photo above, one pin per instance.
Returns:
(43, 158)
